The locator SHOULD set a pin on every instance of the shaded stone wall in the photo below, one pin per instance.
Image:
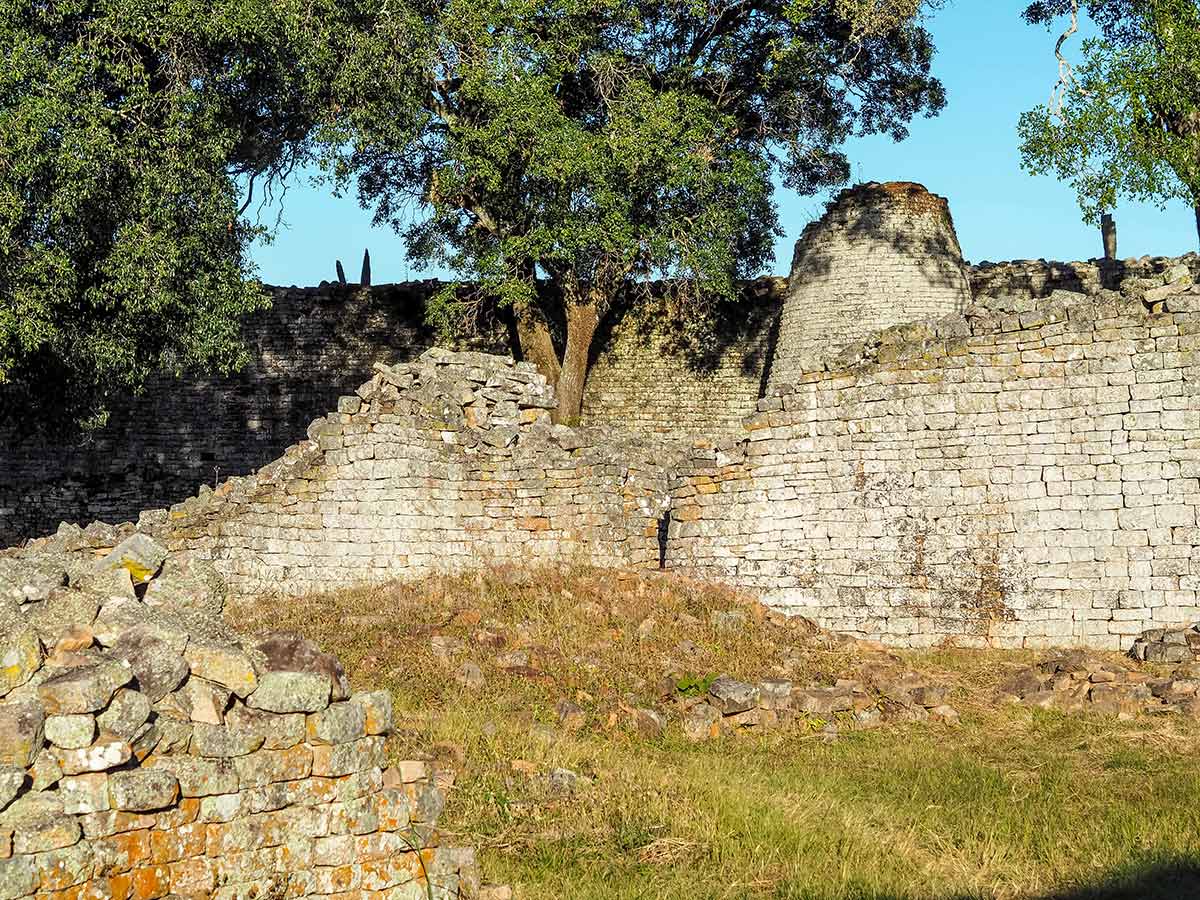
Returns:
(310, 347)
(444, 464)
(643, 383)
(1007, 480)
(883, 254)
(313, 346)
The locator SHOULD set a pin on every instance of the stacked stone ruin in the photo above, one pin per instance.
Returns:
(147, 750)
(883, 254)
(1020, 470)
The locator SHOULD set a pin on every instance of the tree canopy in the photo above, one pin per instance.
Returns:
(1125, 121)
(595, 144)
(129, 133)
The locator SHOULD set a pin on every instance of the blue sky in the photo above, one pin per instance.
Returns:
(994, 67)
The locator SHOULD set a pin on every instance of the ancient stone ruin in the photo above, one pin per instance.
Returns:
(147, 750)
(1019, 470)
(882, 255)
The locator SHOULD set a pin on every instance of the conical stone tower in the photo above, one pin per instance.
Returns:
(882, 255)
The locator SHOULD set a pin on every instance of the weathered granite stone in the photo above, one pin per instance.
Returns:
(83, 794)
(187, 582)
(12, 778)
(143, 790)
(196, 701)
(279, 731)
(39, 824)
(139, 555)
(107, 752)
(290, 692)
(198, 777)
(107, 585)
(377, 710)
(84, 689)
(20, 649)
(156, 663)
(223, 741)
(227, 666)
(345, 759)
(22, 732)
(30, 580)
(45, 771)
(63, 609)
(127, 712)
(339, 723)
(730, 696)
(18, 878)
(71, 732)
(288, 652)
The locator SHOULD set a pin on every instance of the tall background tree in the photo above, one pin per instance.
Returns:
(133, 136)
(1125, 121)
(595, 144)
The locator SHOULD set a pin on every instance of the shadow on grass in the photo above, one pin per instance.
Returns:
(1170, 880)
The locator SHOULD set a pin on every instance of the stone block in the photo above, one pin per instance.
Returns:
(291, 692)
(22, 731)
(143, 790)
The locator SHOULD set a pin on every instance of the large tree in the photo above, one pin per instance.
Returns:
(132, 135)
(1124, 121)
(590, 145)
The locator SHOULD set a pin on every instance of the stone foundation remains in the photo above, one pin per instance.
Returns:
(149, 751)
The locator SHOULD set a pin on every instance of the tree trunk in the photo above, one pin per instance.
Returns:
(582, 319)
(537, 345)
(1197, 208)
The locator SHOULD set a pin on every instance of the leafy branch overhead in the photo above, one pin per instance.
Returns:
(1127, 124)
(594, 144)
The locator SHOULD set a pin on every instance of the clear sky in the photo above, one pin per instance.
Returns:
(994, 67)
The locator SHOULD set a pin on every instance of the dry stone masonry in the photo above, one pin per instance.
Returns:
(146, 750)
(883, 254)
(1004, 480)
(439, 465)
(643, 384)
(1020, 469)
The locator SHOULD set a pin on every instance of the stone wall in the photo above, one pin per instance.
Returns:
(647, 380)
(882, 254)
(1019, 285)
(443, 464)
(1007, 480)
(309, 348)
(313, 346)
(146, 750)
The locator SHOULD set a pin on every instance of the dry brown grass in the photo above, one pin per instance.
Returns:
(1014, 803)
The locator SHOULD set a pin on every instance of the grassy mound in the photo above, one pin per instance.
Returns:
(1013, 802)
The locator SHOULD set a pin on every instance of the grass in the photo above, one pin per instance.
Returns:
(1014, 803)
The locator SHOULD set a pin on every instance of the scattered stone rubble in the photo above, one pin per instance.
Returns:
(147, 750)
(1077, 681)
(881, 693)
(1168, 645)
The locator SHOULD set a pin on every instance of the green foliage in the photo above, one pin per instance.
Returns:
(126, 128)
(1130, 126)
(599, 143)
(695, 685)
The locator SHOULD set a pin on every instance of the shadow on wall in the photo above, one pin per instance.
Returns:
(866, 214)
(698, 335)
